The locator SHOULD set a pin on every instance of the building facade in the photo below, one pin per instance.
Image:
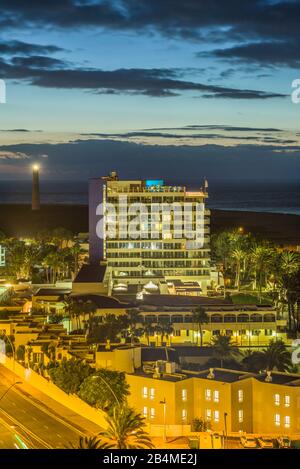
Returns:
(165, 250)
(229, 401)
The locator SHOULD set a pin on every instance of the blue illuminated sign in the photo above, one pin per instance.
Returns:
(154, 182)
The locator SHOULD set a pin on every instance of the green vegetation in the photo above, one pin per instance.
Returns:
(274, 357)
(48, 257)
(224, 349)
(89, 442)
(104, 389)
(20, 353)
(259, 272)
(200, 425)
(126, 430)
(200, 317)
(248, 299)
(70, 374)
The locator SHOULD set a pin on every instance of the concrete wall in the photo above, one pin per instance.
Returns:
(72, 402)
(127, 359)
(97, 288)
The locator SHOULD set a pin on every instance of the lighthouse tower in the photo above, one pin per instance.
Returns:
(35, 188)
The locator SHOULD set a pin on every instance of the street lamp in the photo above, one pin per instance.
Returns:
(109, 387)
(226, 434)
(164, 403)
(9, 388)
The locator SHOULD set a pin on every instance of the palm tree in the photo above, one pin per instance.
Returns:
(222, 247)
(238, 255)
(89, 308)
(21, 258)
(163, 328)
(276, 356)
(253, 361)
(149, 330)
(200, 317)
(72, 310)
(61, 237)
(54, 262)
(90, 442)
(261, 256)
(134, 318)
(126, 430)
(290, 286)
(223, 349)
(289, 262)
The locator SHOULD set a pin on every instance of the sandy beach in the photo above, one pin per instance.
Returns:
(19, 220)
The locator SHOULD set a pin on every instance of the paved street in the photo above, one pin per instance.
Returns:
(37, 425)
(7, 439)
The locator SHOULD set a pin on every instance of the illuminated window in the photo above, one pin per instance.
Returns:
(208, 394)
(184, 414)
(152, 393)
(152, 413)
(184, 394)
(241, 416)
(145, 412)
(240, 395)
(145, 392)
(208, 414)
(277, 420)
(216, 396)
(277, 399)
(287, 421)
(216, 416)
(287, 401)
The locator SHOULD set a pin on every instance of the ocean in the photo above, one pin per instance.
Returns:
(248, 196)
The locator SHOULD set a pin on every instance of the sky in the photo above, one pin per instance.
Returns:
(160, 88)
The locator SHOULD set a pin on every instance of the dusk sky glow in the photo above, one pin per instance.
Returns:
(129, 78)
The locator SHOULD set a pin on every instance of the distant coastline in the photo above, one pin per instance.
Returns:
(18, 220)
(275, 197)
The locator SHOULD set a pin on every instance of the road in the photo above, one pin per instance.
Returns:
(37, 426)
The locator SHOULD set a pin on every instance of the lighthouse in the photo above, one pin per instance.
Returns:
(35, 187)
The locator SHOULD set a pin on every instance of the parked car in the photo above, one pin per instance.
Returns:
(284, 441)
(248, 442)
(265, 443)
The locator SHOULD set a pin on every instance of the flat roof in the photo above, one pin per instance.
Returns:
(277, 377)
(220, 375)
(152, 354)
(90, 274)
(102, 301)
(52, 292)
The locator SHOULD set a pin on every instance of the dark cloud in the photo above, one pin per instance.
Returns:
(19, 130)
(37, 61)
(82, 159)
(25, 48)
(227, 128)
(189, 136)
(267, 54)
(190, 19)
(149, 82)
(265, 32)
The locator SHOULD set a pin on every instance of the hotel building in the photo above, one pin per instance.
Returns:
(155, 258)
